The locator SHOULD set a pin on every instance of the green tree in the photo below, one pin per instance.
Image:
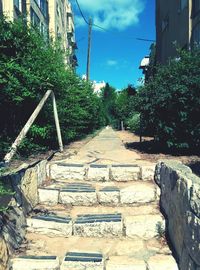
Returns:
(108, 96)
(29, 66)
(170, 102)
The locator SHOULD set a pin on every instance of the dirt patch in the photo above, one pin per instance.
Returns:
(69, 150)
(150, 151)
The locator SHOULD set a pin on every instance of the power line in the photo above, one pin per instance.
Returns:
(107, 30)
(81, 12)
(148, 40)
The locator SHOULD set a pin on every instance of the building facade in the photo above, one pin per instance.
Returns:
(35, 12)
(177, 26)
(61, 28)
(54, 18)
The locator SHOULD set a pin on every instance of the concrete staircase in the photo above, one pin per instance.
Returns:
(97, 217)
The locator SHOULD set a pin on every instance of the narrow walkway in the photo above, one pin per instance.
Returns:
(105, 148)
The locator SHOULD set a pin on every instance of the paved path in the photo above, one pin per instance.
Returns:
(105, 148)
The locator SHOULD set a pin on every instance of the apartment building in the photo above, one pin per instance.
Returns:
(35, 12)
(54, 18)
(61, 28)
(71, 36)
(177, 26)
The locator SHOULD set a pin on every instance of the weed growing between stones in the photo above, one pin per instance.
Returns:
(160, 230)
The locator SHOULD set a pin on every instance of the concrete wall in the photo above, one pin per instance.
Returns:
(180, 201)
(176, 31)
(24, 182)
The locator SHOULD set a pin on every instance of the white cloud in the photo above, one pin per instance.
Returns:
(111, 14)
(111, 63)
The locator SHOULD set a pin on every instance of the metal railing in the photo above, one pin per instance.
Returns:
(29, 123)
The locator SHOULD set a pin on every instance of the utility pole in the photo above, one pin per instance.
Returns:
(89, 49)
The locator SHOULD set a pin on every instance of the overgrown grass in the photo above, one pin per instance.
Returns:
(5, 188)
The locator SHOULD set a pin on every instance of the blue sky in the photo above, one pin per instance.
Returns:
(116, 53)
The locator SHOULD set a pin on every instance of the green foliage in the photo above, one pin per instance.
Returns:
(134, 123)
(29, 66)
(108, 97)
(160, 230)
(170, 103)
(6, 191)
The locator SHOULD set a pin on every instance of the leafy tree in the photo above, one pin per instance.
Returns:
(125, 104)
(170, 102)
(108, 96)
(29, 66)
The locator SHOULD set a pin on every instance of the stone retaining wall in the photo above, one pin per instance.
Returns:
(24, 182)
(180, 201)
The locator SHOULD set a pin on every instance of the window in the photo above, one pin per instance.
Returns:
(196, 36)
(34, 18)
(183, 4)
(44, 7)
(38, 2)
(165, 23)
(18, 4)
(195, 7)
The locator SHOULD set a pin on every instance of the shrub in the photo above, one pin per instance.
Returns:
(170, 103)
(29, 66)
(134, 123)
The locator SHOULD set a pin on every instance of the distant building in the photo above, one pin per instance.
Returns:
(148, 63)
(144, 65)
(97, 86)
(177, 25)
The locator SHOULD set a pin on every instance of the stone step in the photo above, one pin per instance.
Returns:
(35, 263)
(125, 263)
(157, 262)
(83, 260)
(112, 193)
(120, 173)
(145, 222)
(99, 225)
(136, 248)
(50, 225)
(95, 261)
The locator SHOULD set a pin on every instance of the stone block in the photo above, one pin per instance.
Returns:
(29, 186)
(192, 237)
(185, 262)
(42, 172)
(48, 196)
(50, 225)
(147, 172)
(99, 225)
(138, 193)
(36, 263)
(162, 262)
(62, 171)
(195, 197)
(109, 195)
(82, 261)
(144, 226)
(124, 173)
(98, 173)
(4, 256)
(78, 194)
(125, 263)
